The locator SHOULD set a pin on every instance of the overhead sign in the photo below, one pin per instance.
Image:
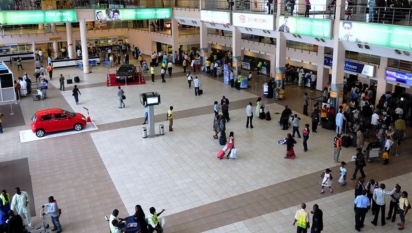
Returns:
(37, 17)
(219, 17)
(399, 77)
(260, 21)
(133, 14)
(320, 28)
(386, 35)
(350, 66)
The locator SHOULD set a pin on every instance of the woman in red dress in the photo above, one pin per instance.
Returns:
(290, 141)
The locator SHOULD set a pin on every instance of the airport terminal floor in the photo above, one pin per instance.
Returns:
(91, 173)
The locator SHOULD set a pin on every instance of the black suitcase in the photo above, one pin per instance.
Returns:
(354, 140)
(200, 92)
(268, 117)
(327, 125)
(222, 138)
(346, 141)
(76, 79)
(69, 81)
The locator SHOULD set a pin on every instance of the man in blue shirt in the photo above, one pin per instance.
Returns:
(361, 207)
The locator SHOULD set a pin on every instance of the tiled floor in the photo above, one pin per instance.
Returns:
(92, 173)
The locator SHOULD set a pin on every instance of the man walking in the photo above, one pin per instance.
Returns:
(317, 220)
(249, 115)
(315, 120)
(361, 207)
(302, 218)
(360, 163)
(379, 198)
(189, 79)
(53, 211)
(339, 122)
(50, 71)
(170, 118)
(295, 123)
(337, 146)
(20, 204)
(120, 94)
(393, 204)
(61, 80)
(196, 83)
(152, 72)
(305, 104)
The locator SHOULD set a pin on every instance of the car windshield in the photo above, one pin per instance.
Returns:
(33, 118)
(127, 69)
(72, 114)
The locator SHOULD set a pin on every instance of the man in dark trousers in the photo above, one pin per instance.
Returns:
(225, 108)
(284, 117)
(315, 119)
(317, 220)
(361, 207)
(360, 163)
(305, 104)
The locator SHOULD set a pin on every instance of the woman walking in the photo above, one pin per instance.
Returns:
(231, 143)
(121, 96)
(258, 105)
(76, 93)
(305, 134)
(327, 181)
(404, 206)
(290, 153)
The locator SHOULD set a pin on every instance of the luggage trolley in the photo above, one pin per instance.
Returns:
(374, 153)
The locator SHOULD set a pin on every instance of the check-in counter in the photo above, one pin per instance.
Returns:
(61, 63)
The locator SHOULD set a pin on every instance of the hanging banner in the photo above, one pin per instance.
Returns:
(399, 77)
(112, 14)
(354, 67)
(386, 35)
(37, 17)
(48, 5)
(225, 74)
(219, 17)
(320, 28)
(260, 21)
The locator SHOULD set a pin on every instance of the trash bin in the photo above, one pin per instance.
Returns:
(144, 132)
(161, 129)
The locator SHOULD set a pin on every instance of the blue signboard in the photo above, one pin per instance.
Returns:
(225, 74)
(399, 77)
(350, 66)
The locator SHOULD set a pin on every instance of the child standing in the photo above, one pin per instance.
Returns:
(342, 178)
(327, 181)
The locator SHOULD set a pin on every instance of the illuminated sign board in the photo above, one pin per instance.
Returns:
(219, 17)
(320, 28)
(386, 35)
(37, 17)
(259, 21)
(133, 14)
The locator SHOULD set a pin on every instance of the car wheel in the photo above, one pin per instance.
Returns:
(78, 127)
(40, 133)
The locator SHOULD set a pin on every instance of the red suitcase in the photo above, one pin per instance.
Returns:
(221, 154)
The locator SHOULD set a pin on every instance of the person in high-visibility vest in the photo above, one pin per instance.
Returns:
(154, 221)
(4, 206)
(152, 72)
(259, 67)
(239, 81)
(302, 219)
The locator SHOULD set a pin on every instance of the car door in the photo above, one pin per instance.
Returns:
(63, 121)
(47, 123)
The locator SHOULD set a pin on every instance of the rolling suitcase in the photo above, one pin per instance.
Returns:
(69, 81)
(268, 117)
(221, 154)
(200, 92)
(76, 79)
(346, 140)
(327, 125)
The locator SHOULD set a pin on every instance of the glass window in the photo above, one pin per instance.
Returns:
(59, 116)
(47, 117)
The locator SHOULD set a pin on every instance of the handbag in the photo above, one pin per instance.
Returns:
(123, 97)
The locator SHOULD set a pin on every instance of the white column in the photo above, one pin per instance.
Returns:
(83, 41)
(203, 36)
(70, 48)
(280, 49)
(175, 36)
(53, 28)
(236, 50)
(55, 49)
(380, 74)
(322, 76)
(272, 69)
(33, 48)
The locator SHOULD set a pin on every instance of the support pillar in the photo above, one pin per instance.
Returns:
(70, 48)
(53, 28)
(380, 74)
(83, 41)
(322, 76)
(204, 46)
(55, 50)
(175, 36)
(237, 51)
(272, 70)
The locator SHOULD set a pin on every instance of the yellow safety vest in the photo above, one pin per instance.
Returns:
(302, 219)
(259, 65)
(5, 200)
(239, 79)
(152, 71)
(154, 218)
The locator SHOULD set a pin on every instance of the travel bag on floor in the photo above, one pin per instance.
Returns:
(220, 154)
(233, 154)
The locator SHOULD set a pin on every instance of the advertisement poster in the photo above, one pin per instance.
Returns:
(386, 35)
(350, 66)
(48, 5)
(225, 74)
(399, 77)
(320, 28)
(219, 17)
(133, 14)
(37, 17)
(260, 21)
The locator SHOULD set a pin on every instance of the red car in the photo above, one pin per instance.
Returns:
(56, 119)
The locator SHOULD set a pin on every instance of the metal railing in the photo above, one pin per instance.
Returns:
(387, 15)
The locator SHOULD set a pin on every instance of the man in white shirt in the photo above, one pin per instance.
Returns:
(41, 56)
(53, 211)
(379, 198)
(114, 216)
(249, 115)
(398, 112)
(250, 76)
(20, 204)
(114, 228)
(196, 83)
(339, 122)
(374, 122)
